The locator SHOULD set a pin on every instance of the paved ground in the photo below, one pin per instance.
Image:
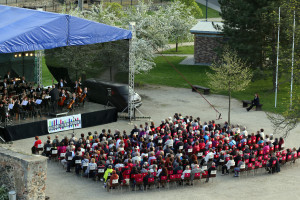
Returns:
(162, 102)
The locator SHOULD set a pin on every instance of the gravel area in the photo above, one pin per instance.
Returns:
(159, 103)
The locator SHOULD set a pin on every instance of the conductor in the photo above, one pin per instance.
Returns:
(255, 102)
(54, 98)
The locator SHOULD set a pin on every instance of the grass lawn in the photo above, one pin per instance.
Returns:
(47, 76)
(181, 50)
(163, 74)
(211, 13)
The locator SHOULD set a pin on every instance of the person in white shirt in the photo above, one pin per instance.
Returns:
(262, 134)
(186, 171)
(209, 155)
(244, 132)
(136, 158)
(228, 165)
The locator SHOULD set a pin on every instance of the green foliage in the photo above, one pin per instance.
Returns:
(230, 73)
(3, 193)
(115, 8)
(195, 9)
(251, 29)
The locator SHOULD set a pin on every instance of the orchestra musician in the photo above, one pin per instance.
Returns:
(5, 84)
(54, 98)
(38, 89)
(63, 98)
(7, 76)
(14, 97)
(62, 83)
(73, 101)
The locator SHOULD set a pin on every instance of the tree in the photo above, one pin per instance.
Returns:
(285, 122)
(230, 73)
(180, 21)
(251, 29)
(193, 6)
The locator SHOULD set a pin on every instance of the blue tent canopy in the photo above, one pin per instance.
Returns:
(28, 30)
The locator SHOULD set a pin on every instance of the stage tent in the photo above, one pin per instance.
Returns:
(29, 30)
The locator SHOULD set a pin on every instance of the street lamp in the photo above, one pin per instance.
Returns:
(206, 9)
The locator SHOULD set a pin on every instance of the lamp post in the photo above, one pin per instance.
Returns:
(206, 9)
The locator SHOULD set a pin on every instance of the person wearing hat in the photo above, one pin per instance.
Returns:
(114, 176)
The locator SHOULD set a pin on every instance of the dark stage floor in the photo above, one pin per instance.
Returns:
(92, 114)
(88, 107)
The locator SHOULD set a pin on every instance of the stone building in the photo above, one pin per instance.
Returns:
(206, 41)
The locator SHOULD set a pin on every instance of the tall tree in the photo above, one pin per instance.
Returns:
(251, 30)
(285, 122)
(231, 74)
(180, 21)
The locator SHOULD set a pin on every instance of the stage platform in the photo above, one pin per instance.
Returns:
(92, 114)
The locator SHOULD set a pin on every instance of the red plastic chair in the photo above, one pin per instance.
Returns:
(150, 182)
(172, 179)
(259, 158)
(179, 172)
(266, 157)
(283, 160)
(276, 147)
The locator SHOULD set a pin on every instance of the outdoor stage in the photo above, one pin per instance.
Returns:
(92, 114)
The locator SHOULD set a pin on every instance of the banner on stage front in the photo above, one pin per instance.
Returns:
(64, 123)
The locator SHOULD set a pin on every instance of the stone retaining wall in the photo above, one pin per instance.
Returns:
(25, 174)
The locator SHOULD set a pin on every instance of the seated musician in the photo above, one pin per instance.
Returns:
(76, 86)
(38, 89)
(63, 98)
(83, 96)
(73, 101)
(33, 107)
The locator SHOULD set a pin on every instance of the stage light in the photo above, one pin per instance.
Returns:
(20, 55)
(26, 54)
(16, 55)
(31, 54)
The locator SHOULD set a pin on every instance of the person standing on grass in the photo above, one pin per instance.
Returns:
(255, 102)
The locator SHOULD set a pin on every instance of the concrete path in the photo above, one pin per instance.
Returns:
(213, 4)
(172, 46)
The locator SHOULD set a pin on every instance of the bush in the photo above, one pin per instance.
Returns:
(3, 193)
(195, 9)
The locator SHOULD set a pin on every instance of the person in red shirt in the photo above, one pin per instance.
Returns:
(36, 144)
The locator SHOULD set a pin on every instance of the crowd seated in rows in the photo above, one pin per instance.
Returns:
(180, 150)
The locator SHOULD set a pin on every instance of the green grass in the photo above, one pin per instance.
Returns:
(47, 76)
(211, 13)
(163, 74)
(181, 50)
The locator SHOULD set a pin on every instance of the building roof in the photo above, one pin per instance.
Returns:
(204, 27)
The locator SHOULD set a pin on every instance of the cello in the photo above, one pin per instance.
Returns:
(69, 106)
